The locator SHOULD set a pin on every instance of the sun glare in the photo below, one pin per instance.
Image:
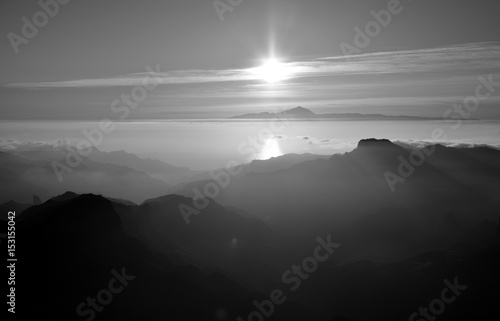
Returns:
(272, 71)
(271, 149)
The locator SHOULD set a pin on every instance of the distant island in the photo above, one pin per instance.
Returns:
(300, 113)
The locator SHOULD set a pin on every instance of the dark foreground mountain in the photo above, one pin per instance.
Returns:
(214, 238)
(458, 284)
(74, 249)
(12, 206)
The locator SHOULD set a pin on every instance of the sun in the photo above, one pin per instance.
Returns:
(272, 71)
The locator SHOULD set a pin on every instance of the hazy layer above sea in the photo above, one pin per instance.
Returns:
(207, 144)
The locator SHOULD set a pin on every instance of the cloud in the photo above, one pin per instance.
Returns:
(315, 140)
(137, 79)
(471, 56)
(413, 144)
(456, 59)
(418, 144)
(31, 145)
(324, 142)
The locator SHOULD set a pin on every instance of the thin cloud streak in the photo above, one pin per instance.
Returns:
(474, 57)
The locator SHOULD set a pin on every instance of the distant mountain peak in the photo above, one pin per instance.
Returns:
(299, 111)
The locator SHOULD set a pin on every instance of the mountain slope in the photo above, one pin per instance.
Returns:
(215, 238)
(70, 249)
(322, 193)
(24, 173)
(170, 174)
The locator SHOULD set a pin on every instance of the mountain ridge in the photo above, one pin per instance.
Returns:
(299, 113)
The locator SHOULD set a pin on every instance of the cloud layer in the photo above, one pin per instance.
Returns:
(474, 57)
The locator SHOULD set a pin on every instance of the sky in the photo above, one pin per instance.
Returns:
(91, 53)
